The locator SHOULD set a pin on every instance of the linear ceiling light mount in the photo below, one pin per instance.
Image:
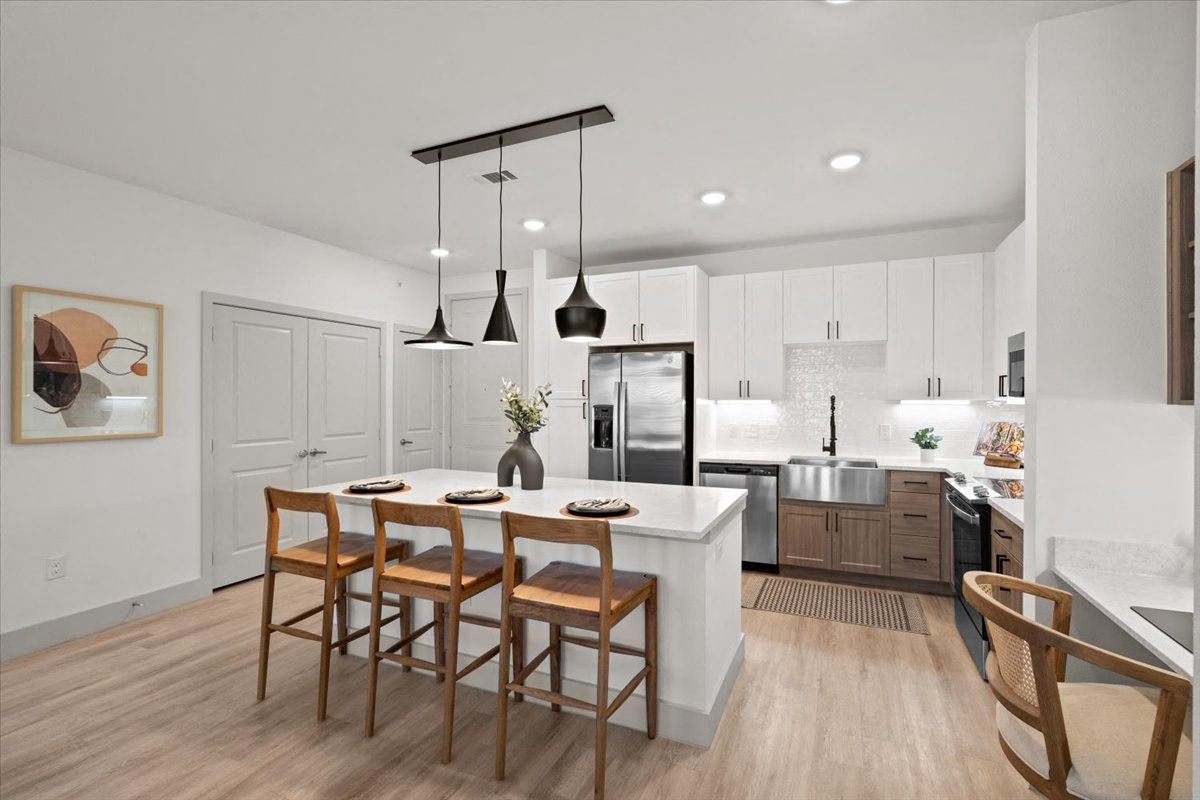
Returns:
(517, 134)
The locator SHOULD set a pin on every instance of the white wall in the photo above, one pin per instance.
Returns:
(126, 514)
(1009, 306)
(1110, 109)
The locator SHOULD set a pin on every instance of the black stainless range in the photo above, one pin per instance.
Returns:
(971, 526)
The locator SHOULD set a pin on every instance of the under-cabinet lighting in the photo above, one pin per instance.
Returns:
(934, 402)
(744, 401)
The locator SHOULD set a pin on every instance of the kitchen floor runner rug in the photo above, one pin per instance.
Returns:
(874, 608)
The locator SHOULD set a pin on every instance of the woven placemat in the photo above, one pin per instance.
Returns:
(407, 487)
(874, 608)
(632, 512)
(503, 499)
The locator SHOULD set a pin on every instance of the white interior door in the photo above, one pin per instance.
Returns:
(958, 327)
(260, 433)
(808, 305)
(478, 430)
(910, 329)
(860, 302)
(764, 336)
(418, 406)
(726, 337)
(344, 434)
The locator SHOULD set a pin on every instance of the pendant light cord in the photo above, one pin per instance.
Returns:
(581, 197)
(439, 243)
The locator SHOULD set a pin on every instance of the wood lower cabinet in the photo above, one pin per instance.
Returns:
(860, 542)
(1007, 555)
(804, 536)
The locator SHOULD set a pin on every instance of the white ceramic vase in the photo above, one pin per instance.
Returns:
(927, 456)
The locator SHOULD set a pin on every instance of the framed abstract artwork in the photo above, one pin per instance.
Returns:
(84, 367)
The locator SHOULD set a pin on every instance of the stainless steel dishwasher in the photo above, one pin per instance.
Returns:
(760, 531)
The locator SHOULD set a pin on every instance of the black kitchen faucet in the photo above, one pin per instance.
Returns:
(831, 448)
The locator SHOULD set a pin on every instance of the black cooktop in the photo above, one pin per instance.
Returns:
(1176, 624)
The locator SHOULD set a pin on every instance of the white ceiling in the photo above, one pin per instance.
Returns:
(302, 115)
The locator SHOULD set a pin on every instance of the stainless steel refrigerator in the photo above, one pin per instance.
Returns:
(640, 415)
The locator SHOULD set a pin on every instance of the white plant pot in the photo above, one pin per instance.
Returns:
(927, 456)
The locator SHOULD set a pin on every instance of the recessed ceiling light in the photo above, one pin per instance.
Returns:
(848, 160)
(438, 252)
(712, 198)
(837, 2)
(533, 224)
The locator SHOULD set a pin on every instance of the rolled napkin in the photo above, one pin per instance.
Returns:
(602, 504)
(478, 495)
(377, 487)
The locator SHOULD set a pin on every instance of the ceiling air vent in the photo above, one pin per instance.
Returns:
(496, 177)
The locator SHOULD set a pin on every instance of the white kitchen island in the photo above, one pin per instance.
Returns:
(690, 537)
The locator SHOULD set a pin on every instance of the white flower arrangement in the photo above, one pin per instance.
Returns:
(524, 414)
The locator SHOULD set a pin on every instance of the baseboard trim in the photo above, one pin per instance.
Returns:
(56, 631)
(680, 723)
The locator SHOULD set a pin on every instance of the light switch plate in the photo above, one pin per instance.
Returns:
(885, 431)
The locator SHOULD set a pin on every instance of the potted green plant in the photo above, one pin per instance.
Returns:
(526, 416)
(927, 441)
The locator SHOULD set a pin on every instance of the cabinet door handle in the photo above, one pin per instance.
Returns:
(827, 520)
(929, 387)
(916, 483)
(747, 387)
(837, 329)
(583, 386)
(837, 518)
(925, 516)
(939, 386)
(633, 332)
(642, 330)
(739, 388)
(914, 558)
(584, 404)
(1000, 391)
(1001, 533)
(1001, 560)
(827, 329)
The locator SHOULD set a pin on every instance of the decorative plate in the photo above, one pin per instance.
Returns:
(376, 487)
(598, 507)
(474, 496)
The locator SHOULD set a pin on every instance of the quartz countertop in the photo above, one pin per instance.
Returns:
(664, 511)
(970, 466)
(1114, 576)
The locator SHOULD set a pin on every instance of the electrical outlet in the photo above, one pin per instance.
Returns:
(56, 567)
(885, 431)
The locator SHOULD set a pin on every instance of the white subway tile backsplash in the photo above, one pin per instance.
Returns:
(855, 373)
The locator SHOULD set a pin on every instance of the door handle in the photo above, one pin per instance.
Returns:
(739, 388)
(939, 386)
(583, 386)
(642, 330)
(584, 406)
(405, 441)
(316, 452)
(827, 329)
(837, 329)
(302, 454)
(929, 387)
(633, 333)
(747, 387)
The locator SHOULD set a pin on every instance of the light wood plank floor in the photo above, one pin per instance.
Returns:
(164, 708)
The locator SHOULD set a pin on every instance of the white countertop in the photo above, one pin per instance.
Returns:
(664, 511)
(1158, 576)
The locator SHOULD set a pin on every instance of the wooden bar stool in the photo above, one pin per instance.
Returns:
(592, 598)
(332, 558)
(447, 576)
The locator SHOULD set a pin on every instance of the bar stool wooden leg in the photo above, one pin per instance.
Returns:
(326, 641)
(373, 659)
(406, 628)
(343, 611)
(264, 639)
(451, 663)
(439, 639)
(518, 633)
(652, 662)
(602, 653)
(555, 662)
(502, 694)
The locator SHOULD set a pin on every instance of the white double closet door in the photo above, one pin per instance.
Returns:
(296, 403)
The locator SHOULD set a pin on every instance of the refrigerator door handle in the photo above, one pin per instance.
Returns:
(623, 431)
(617, 421)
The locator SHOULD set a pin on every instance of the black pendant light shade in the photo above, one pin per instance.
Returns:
(438, 337)
(580, 318)
(500, 328)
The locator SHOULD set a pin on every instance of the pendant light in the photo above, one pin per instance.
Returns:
(500, 328)
(438, 337)
(580, 318)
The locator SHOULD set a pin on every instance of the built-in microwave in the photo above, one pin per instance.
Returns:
(1013, 384)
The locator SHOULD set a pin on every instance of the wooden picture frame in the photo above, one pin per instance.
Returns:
(84, 367)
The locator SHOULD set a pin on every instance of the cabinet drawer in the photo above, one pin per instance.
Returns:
(1008, 536)
(929, 482)
(915, 557)
(916, 514)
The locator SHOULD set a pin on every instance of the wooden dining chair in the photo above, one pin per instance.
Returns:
(1072, 741)
(575, 596)
(447, 576)
(332, 559)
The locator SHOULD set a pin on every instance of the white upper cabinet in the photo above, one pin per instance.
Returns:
(958, 327)
(1008, 315)
(568, 360)
(910, 329)
(726, 337)
(746, 337)
(617, 293)
(667, 302)
(935, 328)
(860, 302)
(808, 304)
(846, 303)
(656, 306)
(764, 336)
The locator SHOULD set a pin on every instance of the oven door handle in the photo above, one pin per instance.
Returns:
(965, 514)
